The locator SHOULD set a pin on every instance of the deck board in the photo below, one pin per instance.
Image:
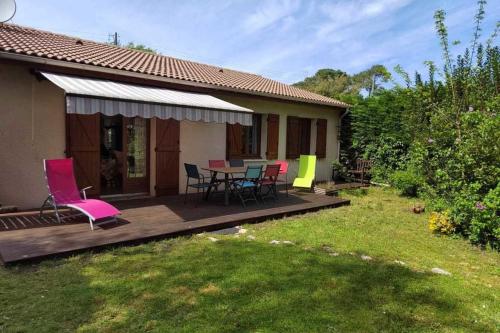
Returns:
(141, 220)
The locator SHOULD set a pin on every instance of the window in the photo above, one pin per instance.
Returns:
(298, 137)
(243, 141)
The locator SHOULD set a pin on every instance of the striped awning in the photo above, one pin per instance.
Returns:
(90, 96)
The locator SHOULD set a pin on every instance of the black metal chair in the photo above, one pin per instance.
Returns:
(192, 172)
(236, 163)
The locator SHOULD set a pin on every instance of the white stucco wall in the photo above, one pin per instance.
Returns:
(200, 142)
(32, 127)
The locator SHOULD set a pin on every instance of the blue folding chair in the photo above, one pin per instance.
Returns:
(192, 173)
(248, 184)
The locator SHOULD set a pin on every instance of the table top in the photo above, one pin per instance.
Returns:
(227, 169)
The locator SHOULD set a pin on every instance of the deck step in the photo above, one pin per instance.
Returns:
(8, 209)
(319, 190)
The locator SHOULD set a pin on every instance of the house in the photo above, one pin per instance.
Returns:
(131, 119)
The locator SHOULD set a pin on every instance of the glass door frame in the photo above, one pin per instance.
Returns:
(140, 184)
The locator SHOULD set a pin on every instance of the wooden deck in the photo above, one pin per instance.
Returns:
(26, 237)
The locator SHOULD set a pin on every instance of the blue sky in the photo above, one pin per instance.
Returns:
(286, 40)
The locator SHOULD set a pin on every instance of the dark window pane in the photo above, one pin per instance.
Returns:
(136, 148)
(249, 146)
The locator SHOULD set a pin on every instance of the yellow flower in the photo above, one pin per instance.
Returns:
(440, 222)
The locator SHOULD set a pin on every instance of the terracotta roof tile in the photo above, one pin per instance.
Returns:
(32, 42)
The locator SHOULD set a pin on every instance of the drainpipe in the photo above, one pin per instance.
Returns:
(340, 131)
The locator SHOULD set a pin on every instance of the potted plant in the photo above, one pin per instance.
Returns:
(338, 171)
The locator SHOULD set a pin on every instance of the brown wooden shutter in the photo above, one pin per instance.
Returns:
(292, 137)
(167, 157)
(273, 131)
(305, 136)
(321, 138)
(83, 144)
(234, 141)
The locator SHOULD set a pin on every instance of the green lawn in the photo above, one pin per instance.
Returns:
(240, 285)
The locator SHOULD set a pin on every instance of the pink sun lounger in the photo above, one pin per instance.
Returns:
(63, 192)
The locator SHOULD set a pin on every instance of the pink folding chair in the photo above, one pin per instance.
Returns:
(216, 164)
(284, 171)
(269, 181)
(63, 192)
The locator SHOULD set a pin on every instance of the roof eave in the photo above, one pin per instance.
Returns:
(101, 69)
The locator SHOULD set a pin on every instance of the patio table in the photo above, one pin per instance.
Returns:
(226, 171)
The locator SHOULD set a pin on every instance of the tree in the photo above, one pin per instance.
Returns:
(328, 82)
(140, 47)
(370, 80)
(348, 88)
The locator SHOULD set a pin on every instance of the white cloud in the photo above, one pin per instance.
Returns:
(271, 13)
(342, 14)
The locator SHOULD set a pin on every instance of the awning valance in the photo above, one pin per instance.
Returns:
(89, 96)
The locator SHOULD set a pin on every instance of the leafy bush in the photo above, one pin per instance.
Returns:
(408, 182)
(388, 155)
(441, 223)
(478, 217)
(485, 223)
(462, 173)
(339, 170)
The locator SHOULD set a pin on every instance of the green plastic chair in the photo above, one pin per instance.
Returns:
(307, 172)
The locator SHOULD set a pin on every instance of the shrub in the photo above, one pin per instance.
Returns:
(408, 182)
(339, 170)
(388, 155)
(441, 223)
(485, 222)
(476, 216)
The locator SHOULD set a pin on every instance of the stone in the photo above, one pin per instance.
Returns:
(274, 242)
(437, 270)
(242, 231)
(213, 239)
(399, 262)
(251, 237)
(288, 242)
(334, 254)
(327, 248)
(366, 258)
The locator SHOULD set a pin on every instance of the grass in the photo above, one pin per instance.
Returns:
(240, 285)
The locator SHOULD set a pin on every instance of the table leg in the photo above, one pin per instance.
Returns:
(226, 189)
(212, 184)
